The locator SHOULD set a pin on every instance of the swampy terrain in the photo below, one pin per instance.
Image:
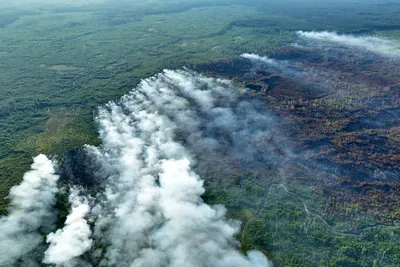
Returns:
(322, 188)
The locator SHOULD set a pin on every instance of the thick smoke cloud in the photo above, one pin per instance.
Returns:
(74, 239)
(30, 209)
(152, 213)
(148, 210)
(376, 45)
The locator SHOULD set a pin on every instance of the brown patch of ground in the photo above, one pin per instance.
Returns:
(341, 110)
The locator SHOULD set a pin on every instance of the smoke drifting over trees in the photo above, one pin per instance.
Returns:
(152, 213)
(141, 198)
(376, 45)
(74, 239)
(30, 209)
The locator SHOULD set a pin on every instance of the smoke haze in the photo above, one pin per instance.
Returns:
(376, 45)
(34, 3)
(259, 58)
(280, 65)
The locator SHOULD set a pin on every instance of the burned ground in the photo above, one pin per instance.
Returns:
(342, 117)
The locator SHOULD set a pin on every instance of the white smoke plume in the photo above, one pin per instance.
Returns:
(153, 214)
(256, 57)
(30, 209)
(281, 65)
(74, 239)
(375, 45)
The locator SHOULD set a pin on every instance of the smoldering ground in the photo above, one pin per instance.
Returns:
(383, 47)
(284, 66)
(330, 70)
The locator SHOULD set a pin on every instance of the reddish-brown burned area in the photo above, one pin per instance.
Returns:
(338, 108)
